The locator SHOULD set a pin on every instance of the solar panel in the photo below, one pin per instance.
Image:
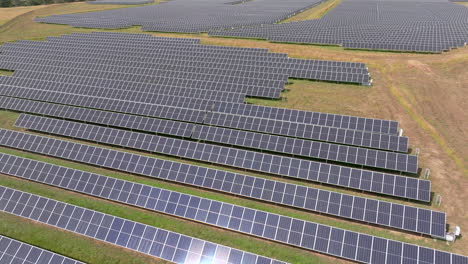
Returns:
(121, 232)
(158, 242)
(285, 166)
(14, 251)
(273, 191)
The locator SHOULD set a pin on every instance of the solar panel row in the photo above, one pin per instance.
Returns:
(135, 36)
(145, 96)
(195, 111)
(14, 251)
(182, 249)
(266, 225)
(360, 209)
(388, 184)
(118, 231)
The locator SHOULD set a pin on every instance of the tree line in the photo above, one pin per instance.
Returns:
(11, 3)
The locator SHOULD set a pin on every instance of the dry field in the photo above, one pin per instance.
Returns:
(426, 93)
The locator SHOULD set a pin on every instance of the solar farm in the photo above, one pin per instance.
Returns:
(234, 132)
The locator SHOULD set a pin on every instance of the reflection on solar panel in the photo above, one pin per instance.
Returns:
(346, 206)
(132, 235)
(164, 64)
(13, 251)
(182, 249)
(336, 175)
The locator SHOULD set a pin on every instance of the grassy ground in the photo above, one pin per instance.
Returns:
(6, 14)
(315, 12)
(426, 93)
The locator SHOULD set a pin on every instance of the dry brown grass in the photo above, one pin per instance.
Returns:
(6, 72)
(7, 14)
(315, 12)
(426, 93)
